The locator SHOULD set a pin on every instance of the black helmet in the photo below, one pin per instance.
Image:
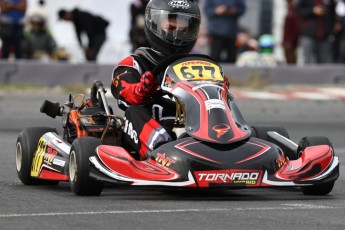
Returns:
(172, 26)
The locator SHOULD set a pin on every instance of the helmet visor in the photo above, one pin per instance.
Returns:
(175, 28)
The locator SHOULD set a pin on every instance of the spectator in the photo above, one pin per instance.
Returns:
(39, 9)
(11, 26)
(245, 42)
(60, 54)
(222, 25)
(263, 57)
(136, 32)
(339, 43)
(38, 42)
(92, 25)
(317, 24)
(291, 33)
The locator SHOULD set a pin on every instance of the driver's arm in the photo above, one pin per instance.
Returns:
(130, 86)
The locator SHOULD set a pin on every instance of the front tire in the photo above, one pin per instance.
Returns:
(81, 184)
(260, 131)
(26, 146)
(320, 189)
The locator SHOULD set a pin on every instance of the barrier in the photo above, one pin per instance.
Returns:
(60, 73)
(280, 75)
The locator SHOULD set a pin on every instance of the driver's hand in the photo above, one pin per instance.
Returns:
(147, 85)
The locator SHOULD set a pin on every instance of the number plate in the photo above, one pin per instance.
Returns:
(198, 71)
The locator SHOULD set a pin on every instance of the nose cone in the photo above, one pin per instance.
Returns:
(237, 164)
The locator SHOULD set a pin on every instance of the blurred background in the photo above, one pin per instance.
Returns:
(117, 13)
(260, 17)
(263, 40)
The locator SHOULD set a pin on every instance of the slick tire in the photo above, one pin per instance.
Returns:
(26, 146)
(81, 184)
(183, 135)
(260, 131)
(321, 189)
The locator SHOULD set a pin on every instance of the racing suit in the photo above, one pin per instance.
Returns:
(149, 118)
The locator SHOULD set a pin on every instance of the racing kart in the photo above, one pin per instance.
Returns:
(214, 147)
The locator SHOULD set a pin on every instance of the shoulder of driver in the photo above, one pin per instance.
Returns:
(130, 62)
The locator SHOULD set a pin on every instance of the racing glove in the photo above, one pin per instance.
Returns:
(147, 85)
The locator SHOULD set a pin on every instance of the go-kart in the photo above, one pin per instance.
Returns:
(215, 148)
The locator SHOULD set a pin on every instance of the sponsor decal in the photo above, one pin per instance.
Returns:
(168, 81)
(61, 145)
(130, 131)
(281, 160)
(163, 160)
(204, 63)
(44, 154)
(59, 162)
(214, 104)
(49, 155)
(221, 129)
(179, 4)
(37, 161)
(116, 81)
(231, 176)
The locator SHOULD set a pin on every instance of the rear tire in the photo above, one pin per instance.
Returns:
(183, 135)
(260, 131)
(26, 146)
(320, 189)
(81, 184)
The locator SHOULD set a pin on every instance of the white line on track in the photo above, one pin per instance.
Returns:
(281, 208)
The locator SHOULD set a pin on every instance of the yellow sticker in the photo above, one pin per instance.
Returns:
(38, 158)
(198, 70)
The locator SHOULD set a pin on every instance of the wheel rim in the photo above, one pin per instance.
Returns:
(73, 167)
(19, 156)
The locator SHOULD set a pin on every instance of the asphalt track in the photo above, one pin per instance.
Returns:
(55, 207)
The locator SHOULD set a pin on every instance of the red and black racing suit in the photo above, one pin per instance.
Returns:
(149, 120)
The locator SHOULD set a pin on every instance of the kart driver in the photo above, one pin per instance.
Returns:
(171, 27)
